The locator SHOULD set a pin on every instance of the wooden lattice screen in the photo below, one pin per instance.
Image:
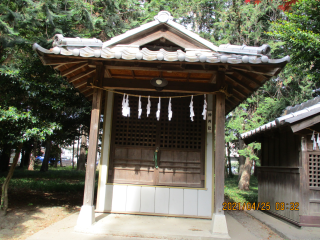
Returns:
(181, 143)
(314, 170)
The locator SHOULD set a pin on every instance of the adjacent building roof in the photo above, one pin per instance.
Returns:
(294, 115)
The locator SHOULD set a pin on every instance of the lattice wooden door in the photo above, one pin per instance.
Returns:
(314, 169)
(180, 141)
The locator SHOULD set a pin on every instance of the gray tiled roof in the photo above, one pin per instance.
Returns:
(95, 48)
(294, 114)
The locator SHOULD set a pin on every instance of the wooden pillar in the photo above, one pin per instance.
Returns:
(219, 153)
(92, 151)
(219, 223)
(87, 215)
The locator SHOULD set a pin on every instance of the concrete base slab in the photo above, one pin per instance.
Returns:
(285, 229)
(219, 226)
(123, 226)
(86, 217)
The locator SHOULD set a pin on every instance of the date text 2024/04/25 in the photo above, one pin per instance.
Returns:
(263, 206)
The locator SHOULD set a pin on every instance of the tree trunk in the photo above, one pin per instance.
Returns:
(82, 160)
(230, 174)
(56, 160)
(5, 158)
(78, 149)
(60, 158)
(244, 182)
(33, 156)
(26, 158)
(241, 158)
(72, 155)
(23, 155)
(4, 194)
(45, 162)
(255, 172)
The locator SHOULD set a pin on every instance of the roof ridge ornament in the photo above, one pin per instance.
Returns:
(61, 41)
(163, 16)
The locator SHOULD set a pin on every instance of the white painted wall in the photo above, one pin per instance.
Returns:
(149, 199)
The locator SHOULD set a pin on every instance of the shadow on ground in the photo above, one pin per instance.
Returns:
(31, 211)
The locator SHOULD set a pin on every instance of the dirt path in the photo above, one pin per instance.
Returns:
(254, 226)
(34, 211)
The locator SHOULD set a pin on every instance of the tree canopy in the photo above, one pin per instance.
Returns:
(36, 102)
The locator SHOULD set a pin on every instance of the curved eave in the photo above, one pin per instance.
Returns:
(243, 78)
(134, 53)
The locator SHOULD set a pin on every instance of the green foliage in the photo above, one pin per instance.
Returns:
(29, 126)
(44, 103)
(232, 192)
(298, 36)
(65, 179)
(294, 33)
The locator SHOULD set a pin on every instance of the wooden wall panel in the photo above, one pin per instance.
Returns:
(293, 151)
(190, 202)
(176, 201)
(271, 150)
(266, 151)
(283, 149)
(314, 209)
(162, 200)
(180, 168)
(277, 185)
(277, 149)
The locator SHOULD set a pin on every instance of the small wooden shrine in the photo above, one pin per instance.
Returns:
(156, 164)
(289, 176)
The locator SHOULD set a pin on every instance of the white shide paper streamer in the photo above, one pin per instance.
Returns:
(169, 110)
(313, 138)
(191, 109)
(148, 106)
(158, 111)
(205, 105)
(139, 108)
(125, 106)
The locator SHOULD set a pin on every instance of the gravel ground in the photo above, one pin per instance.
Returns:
(254, 226)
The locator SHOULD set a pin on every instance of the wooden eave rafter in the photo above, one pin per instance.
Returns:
(235, 80)
(81, 75)
(82, 83)
(249, 78)
(129, 84)
(79, 71)
(73, 69)
(84, 89)
(255, 69)
(61, 61)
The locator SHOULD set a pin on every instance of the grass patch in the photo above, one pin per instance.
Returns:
(232, 192)
(60, 179)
